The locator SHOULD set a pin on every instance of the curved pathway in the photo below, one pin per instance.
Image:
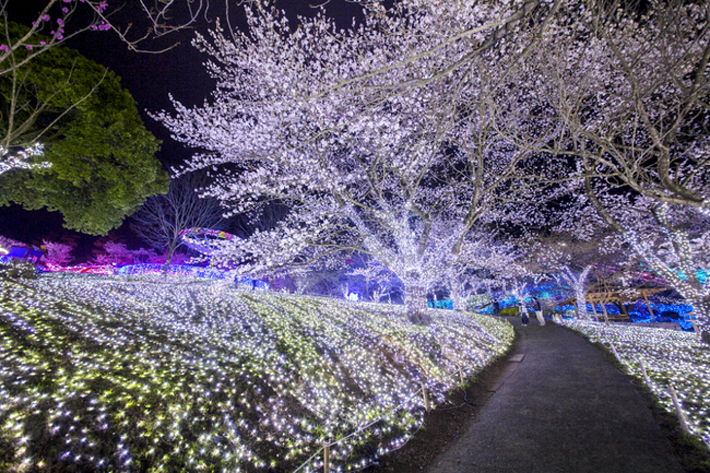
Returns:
(561, 408)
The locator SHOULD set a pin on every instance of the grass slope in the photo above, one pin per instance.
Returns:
(105, 374)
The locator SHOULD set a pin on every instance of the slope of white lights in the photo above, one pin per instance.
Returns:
(671, 359)
(106, 374)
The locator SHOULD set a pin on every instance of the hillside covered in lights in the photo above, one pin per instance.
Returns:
(102, 373)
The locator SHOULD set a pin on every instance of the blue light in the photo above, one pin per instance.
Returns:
(442, 304)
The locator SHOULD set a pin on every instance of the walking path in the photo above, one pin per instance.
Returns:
(562, 408)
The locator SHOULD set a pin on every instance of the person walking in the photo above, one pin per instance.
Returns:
(538, 311)
(496, 307)
(523, 313)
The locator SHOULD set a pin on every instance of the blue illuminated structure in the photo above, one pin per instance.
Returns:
(638, 313)
(442, 304)
(18, 253)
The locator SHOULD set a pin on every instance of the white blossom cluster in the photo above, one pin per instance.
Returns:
(21, 159)
(106, 374)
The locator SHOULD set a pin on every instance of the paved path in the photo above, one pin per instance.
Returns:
(563, 408)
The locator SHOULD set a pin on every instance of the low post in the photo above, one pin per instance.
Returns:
(426, 398)
(678, 410)
(645, 374)
(326, 455)
(461, 375)
(695, 325)
(616, 354)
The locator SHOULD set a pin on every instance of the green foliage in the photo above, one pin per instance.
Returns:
(103, 158)
(510, 312)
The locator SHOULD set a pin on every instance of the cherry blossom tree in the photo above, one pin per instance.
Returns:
(402, 177)
(670, 239)
(673, 241)
(621, 90)
(113, 253)
(57, 254)
(322, 278)
(629, 84)
(371, 272)
(487, 259)
(574, 259)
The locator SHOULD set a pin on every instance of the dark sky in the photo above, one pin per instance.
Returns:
(149, 78)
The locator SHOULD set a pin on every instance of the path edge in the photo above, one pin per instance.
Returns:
(496, 369)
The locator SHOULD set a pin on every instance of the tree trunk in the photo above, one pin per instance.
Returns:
(168, 259)
(457, 300)
(701, 307)
(415, 301)
(581, 302)
(577, 284)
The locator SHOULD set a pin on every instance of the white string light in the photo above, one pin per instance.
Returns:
(111, 374)
(21, 160)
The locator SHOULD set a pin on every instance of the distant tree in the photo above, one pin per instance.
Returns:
(57, 254)
(112, 253)
(487, 258)
(621, 89)
(8, 243)
(671, 239)
(101, 157)
(372, 272)
(165, 220)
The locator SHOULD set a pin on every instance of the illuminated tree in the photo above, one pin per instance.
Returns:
(575, 258)
(113, 253)
(671, 239)
(57, 254)
(629, 84)
(486, 259)
(371, 272)
(624, 86)
(404, 178)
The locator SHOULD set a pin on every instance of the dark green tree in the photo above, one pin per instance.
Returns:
(102, 158)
